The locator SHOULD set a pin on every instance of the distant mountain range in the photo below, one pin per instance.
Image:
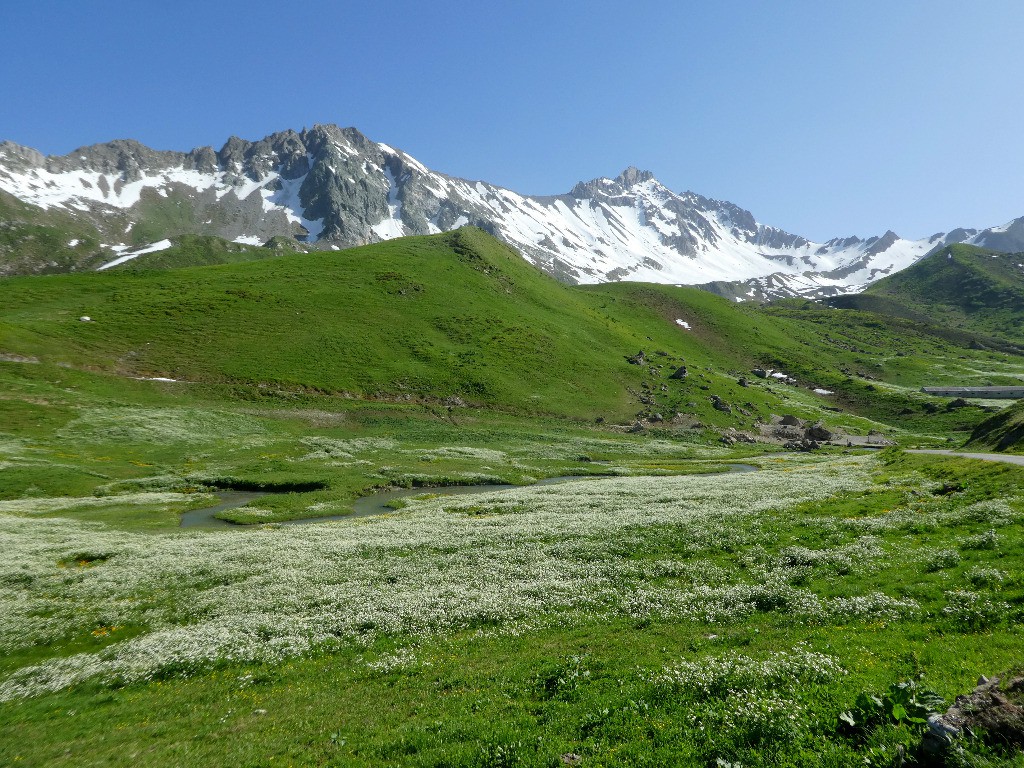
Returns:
(330, 188)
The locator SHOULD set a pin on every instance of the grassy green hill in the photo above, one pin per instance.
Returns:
(462, 317)
(960, 286)
(1002, 432)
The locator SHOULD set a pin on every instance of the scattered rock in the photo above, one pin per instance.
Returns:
(761, 373)
(958, 403)
(791, 421)
(656, 417)
(571, 758)
(720, 405)
(85, 319)
(638, 359)
(728, 440)
(742, 381)
(680, 373)
(802, 445)
(454, 402)
(637, 426)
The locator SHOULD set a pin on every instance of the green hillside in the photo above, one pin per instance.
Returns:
(960, 286)
(461, 316)
(37, 241)
(1002, 432)
(205, 250)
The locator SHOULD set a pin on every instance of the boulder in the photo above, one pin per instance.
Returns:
(991, 710)
(720, 405)
(818, 431)
(679, 373)
(791, 421)
(761, 373)
(638, 359)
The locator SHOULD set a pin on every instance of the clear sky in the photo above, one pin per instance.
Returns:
(823, 117)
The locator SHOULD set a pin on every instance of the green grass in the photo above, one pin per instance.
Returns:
(461, 315)
(598, 686)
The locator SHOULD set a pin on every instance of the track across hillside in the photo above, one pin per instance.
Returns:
(1004, 457)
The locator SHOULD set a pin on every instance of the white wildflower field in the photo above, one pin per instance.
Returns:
(489, 560)
(784, 547)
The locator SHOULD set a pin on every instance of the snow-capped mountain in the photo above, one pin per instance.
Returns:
(330, 187)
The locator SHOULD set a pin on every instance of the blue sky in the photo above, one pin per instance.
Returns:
(823, 118)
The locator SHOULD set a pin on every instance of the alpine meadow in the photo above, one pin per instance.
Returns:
(312, 456)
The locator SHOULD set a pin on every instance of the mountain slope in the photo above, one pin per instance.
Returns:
(1002, 432)
(959, 286)
(45, 241)
(461, 318)
(334, 188)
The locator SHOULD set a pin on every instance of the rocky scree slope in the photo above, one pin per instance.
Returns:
(333, 188)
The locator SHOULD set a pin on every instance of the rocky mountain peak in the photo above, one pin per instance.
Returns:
(603, 187)
(883, 243)
(16, 156)
(633, 176)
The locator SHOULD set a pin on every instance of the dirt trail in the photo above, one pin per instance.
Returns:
(1008, 458)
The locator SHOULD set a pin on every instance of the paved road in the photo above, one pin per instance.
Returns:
(1008, 458)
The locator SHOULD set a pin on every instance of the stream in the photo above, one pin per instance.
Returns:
(380, 503)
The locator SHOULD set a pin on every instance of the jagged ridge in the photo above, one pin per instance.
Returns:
(332, 187)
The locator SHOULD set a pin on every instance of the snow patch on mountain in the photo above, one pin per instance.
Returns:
(162, 245)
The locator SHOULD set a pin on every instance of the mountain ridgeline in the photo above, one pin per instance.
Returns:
(332, 188)
(958, 287)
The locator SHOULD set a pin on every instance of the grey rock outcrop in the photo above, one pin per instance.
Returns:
(818, 431)
(991, 711)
